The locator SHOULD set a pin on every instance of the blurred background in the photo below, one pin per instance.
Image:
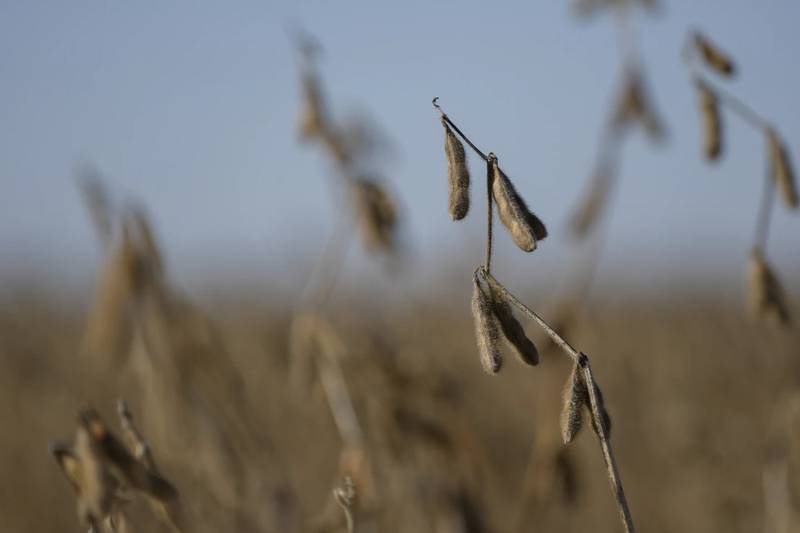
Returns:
(191, 110)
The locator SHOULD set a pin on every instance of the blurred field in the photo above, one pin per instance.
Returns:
(692, 386)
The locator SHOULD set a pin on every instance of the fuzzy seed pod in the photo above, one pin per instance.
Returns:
(525, 227)
(575, 398)
(712, 121)
(457, 174)
(713, 56)
(486, 328)
(605, 419)
(782, 169)
(512, 330)
(376, 213)
(767, 297)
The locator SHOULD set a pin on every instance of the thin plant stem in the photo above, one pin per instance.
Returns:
(605, 443)
(325, 274)
(582, 361)
(736, 105)
(764, 213)
(324, 279)
(585, 271)
(320, 285)
(744, 111)
(339, 399)
(626, 38)
(455, 128)
(489, 213)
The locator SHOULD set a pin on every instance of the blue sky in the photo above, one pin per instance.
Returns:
(191, 108)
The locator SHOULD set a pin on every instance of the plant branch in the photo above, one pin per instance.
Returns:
(605, 443)
(455, 128)
(489, 213)
(764, 212)
(325, 275)
(582, 361)
(744, 111)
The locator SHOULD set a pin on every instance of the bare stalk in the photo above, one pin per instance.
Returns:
(744, 111)
(626, 38)
(736, 105)
(489, 214)
(458, 131)
(336, 390)
(582, 360)
(324, 276)
(764, 213)
(605, 443)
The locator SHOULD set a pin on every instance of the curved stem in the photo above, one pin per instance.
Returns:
(626, 38)
(733, 103)
(323, 277)
(764, 213)
(458, 131)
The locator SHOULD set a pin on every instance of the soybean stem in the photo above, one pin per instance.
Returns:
(582, 361)
(489, 181)
(764, 212)
(455, 128)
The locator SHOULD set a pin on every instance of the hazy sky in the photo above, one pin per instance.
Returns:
(191, 108)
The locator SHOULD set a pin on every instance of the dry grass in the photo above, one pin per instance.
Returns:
(692, 399)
